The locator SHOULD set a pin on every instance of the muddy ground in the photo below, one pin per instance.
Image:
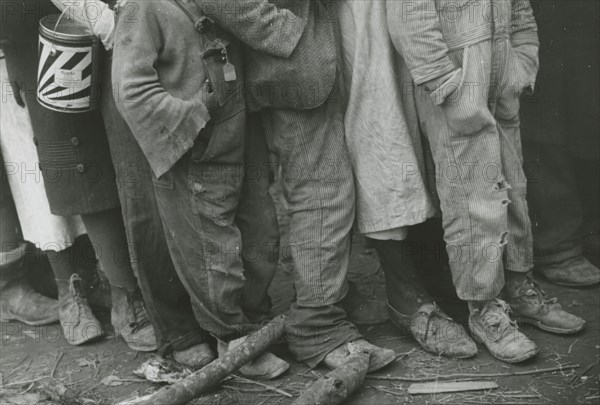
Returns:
(38, 366)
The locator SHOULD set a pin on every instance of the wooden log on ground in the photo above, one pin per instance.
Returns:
(212, 374)
(339, 384)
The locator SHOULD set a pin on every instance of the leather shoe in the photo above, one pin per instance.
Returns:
(196, 356)
(573, 272)
(491, 326)
(435, 331)
(379, 357)
(530, 305)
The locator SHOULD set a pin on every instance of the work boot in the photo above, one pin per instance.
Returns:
(379, 357)
(490, 325)
(76, 318)
(435, 331)
(129, 319)
(194, 357)
(530, 305)
(266, 367)
(18, 301)
(574, 272)
(97, 288)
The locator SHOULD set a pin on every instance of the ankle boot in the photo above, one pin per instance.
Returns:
(129, 319)
(18, 301)
(96, 287)
(76, 318)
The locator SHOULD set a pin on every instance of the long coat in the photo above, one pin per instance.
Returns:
(382, 129)
(72, 148)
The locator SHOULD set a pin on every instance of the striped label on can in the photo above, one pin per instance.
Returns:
(64, 76)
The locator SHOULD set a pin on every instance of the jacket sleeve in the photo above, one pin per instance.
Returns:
(415, 31)
(164, 126)
(257, 23)
(523, 25)
(525, 41)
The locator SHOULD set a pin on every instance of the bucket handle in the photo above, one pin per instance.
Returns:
(52, 49)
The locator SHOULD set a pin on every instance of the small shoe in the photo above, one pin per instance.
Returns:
(129, 319)
(573, 272)
(266, 367)
(379, 357)
(492, 327)
(530, 305)
(76, 317)
(194, 357)
(20, 302)
(436, 332)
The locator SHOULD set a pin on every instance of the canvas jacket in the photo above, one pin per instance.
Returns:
(288, 65)
(426, 30)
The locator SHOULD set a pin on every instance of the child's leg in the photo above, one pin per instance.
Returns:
(128, 314)
(107, 234)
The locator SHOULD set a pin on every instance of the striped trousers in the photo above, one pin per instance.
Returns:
(475, 141)
(319, 189)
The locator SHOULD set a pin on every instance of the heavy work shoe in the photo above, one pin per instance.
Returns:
(20, 302)
(379, 357)
(574, 272)
(129, 319)
(76, 318)
(194, 357)
(435, 331)
(265, 367)
(97, 289)
(530, 305)
(492, 327)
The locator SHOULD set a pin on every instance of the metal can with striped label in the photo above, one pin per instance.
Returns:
(68, 65)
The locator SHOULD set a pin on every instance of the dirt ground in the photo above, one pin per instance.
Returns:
(38, 366)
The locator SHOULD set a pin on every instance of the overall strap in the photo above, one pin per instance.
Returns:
(194, 13)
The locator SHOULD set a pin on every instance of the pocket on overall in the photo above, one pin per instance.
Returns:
(465, 108)
(508, 105)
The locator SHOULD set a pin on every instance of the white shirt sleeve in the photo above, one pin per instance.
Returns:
(94, 13)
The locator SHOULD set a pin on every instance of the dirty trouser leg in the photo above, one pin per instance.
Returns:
(554, 205)
(518, 254)
(319, 189)
(257, 220)
(167, 302)
(466, 148)
(197, 203)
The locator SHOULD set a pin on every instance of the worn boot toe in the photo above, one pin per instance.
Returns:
(194, 357)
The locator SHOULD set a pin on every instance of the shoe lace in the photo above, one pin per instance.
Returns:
(75, 289)
(533, 290)
(495, 315)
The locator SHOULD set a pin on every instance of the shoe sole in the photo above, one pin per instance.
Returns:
(142, 348)
(87, 340)
(271, 375)
(30, 323)
(380, 365)
(511, 360)
(558, 331)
